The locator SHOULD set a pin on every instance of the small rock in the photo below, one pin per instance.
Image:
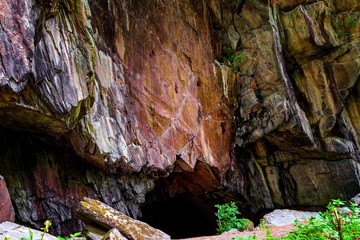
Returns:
(356, 199)
(282, 217)
(114, 234)
(233, 36)
(231, 231)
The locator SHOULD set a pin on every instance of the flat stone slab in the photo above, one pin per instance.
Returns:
(16, 231)
(283, 217)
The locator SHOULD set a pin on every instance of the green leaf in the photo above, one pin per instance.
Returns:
(31, 234)
(74, 235)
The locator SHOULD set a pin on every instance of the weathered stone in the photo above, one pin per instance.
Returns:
(94, 211)
(306, 34)
(320, 180)
(6, 208)
(284, 4)
(241, 25)
(251, 17)
(283, 217)
(134, 89)
(316, 86)
(114, 234)
(356, 199)
(17, 43)
(234, 37)
(48, 183)
(16, 231)
(347, 5)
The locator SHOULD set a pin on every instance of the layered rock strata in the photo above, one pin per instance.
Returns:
(255, 101)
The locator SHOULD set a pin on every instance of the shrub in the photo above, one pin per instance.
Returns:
(227, 218)
(336, 223)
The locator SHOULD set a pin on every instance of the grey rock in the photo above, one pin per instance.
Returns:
(282, 217)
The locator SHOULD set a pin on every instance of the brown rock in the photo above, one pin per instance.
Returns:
(306, 33)
(251, 17)
(131, 88)
(347, 5)
(105, 216)
(284, 4)
(6, 208)
(114, 234)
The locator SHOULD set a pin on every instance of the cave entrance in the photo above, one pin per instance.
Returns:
(182, 216)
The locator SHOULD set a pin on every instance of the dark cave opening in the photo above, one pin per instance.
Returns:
(183, 216)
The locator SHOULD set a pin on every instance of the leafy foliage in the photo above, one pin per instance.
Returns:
(233, 59)
(252, 237)
(31, 235)
(337, 222)
(74, 235)
(227, 218)
(45, 229)
(343, 27)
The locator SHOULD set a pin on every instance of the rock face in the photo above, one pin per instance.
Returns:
(6, 208)
(294, 109)
(254, 101)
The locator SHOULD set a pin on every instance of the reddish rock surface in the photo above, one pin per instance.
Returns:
(261, 234)
(6, 208)
(253, 101)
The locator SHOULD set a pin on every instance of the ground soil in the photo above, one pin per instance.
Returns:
(275, 231)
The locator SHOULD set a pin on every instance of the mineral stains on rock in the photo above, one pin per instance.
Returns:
(113, 99)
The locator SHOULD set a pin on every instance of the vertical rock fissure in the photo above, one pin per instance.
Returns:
(275, 22)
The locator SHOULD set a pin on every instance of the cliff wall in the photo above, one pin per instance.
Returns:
(252, 101)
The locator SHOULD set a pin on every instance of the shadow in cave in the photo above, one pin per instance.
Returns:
(183, 216)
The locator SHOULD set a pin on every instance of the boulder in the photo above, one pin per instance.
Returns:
(356, 199)
(283, 217)
(16, 231)
(100, 215)
(6, 208)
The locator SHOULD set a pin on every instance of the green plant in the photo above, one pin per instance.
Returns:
(338, 222)
(74, 235)
(31, 235)
(232, 59)
(252, 237)
(227, 218)
(45, 229)
(343, 27)
(268, 235)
